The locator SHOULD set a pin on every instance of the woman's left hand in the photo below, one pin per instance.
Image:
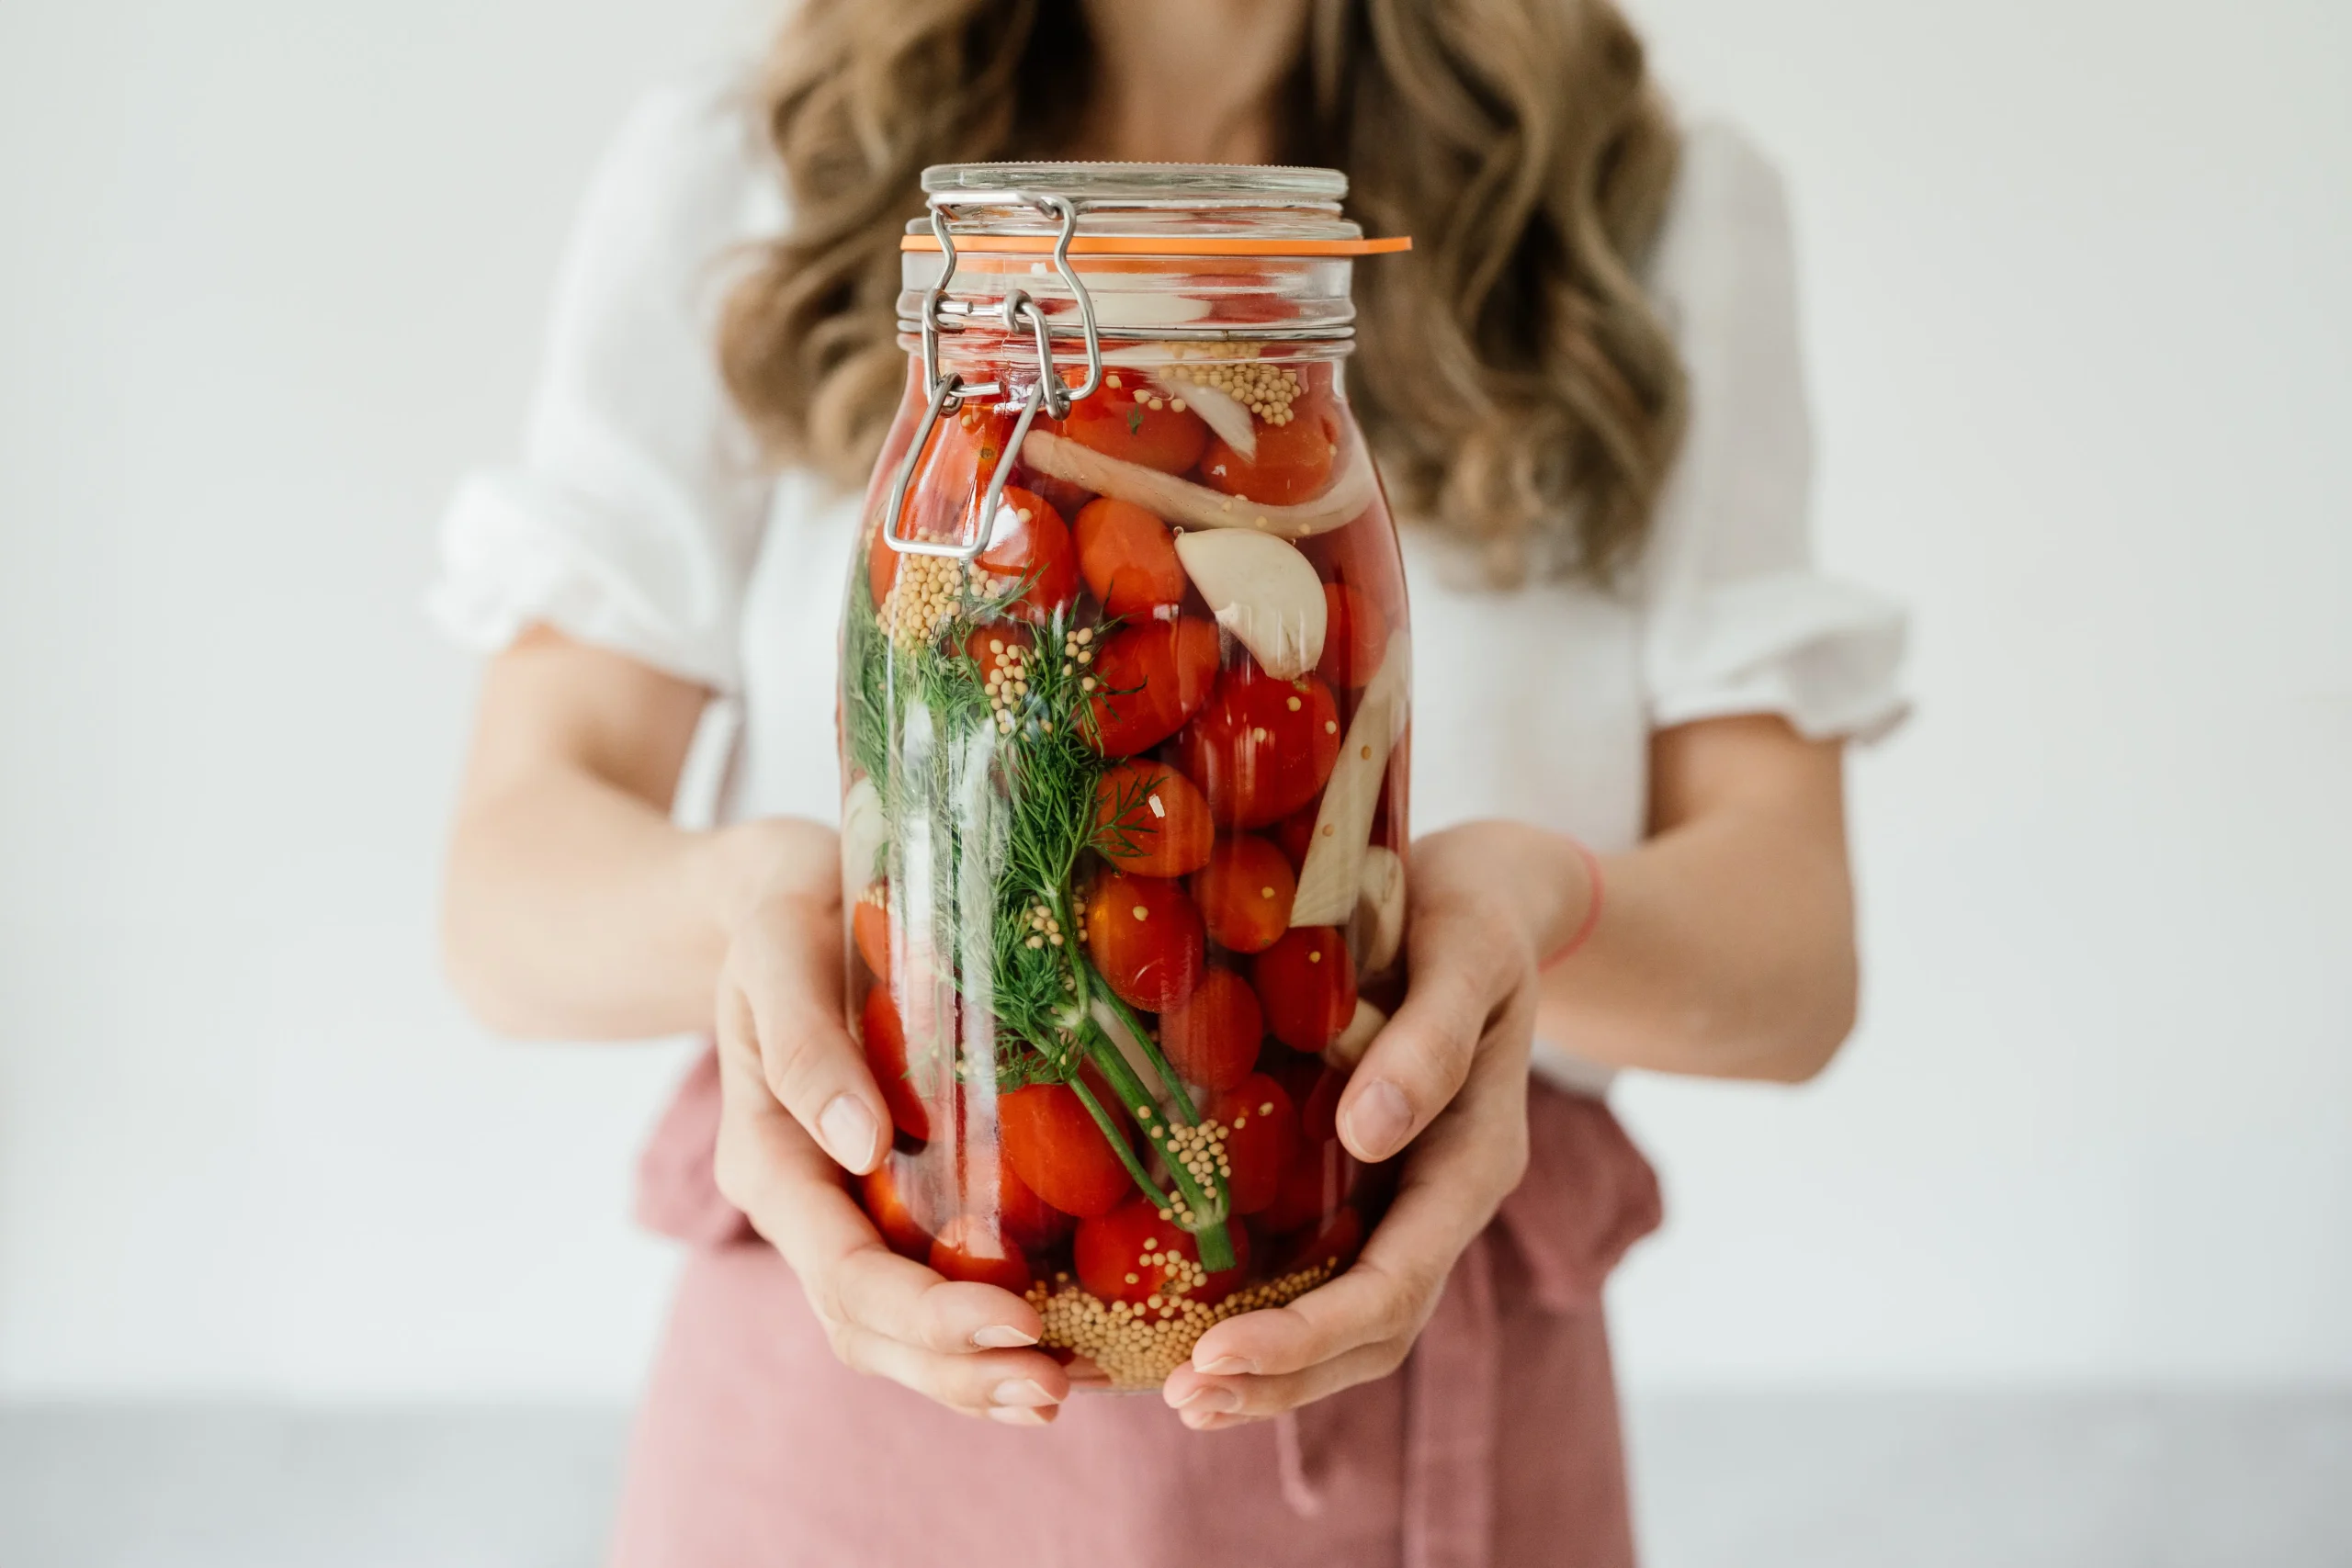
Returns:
(1445, 1081)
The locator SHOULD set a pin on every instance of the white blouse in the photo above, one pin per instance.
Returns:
(640, 518)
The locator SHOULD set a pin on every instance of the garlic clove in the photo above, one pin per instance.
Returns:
(1347, 1049)
(1331, 880)
(1263, 592)
(1378, 929)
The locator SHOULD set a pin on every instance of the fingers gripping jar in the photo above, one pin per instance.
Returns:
(1124, 726)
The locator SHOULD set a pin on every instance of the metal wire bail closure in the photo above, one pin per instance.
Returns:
(948, 391)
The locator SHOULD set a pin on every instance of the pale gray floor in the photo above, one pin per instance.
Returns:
(1752, 1481)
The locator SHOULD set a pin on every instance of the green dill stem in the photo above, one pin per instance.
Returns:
(1118, 1142)
(1151, 1047)
(1217, 1246)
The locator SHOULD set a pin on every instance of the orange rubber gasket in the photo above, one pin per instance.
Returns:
(1159, 245)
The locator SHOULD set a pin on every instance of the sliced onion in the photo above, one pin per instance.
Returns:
(1189, 505)
(1331, 880)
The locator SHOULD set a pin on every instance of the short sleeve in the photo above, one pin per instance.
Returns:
(634, 512)
(1737, 619)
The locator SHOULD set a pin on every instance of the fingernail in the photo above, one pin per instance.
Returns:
(1379, 1119)
(1209, 1400)
(1018, 1416)
(848, 1130)
(1002, 1336)
(1021, 1392)
(1201, 1420)
(1228, 1366)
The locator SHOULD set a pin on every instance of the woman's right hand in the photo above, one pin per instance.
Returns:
(800, 1107)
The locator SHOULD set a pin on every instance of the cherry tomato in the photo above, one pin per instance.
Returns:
(1307, 984)
(885, 1192)
(1211, 1036)
(1131, 1254)
(1334, 1246)
(1259, 748)
(1294, 461)
(1263, 1137)
(1128, 558)
(999, 646)
(1296, 832)
(1355, 637)
(869, 928)
(969, 1248)
(1145, 938)
(949, 482)
(1029, 545)
(1137, 423)
(1064, 497)
(1028, 1221)
(1319, 1114)
(1151, 820)
(1149, 679)
(886, 1053)
(1054, 1145)
(1317, 1179)
(1245, 893)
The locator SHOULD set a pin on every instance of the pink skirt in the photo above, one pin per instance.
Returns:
(1496, 1446)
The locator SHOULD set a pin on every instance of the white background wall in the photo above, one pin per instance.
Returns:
(272, 275)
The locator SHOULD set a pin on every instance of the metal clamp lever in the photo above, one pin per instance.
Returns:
(948, 390)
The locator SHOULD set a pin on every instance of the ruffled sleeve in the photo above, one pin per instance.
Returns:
(633, 515)
(1737, 619)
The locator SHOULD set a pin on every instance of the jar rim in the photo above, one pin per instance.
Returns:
(1118, 184)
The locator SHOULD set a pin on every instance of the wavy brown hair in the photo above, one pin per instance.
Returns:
(1509, 372)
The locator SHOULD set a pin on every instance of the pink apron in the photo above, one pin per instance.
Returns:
(1496, 1445)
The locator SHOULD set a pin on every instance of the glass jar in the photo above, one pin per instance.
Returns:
(1124, 826)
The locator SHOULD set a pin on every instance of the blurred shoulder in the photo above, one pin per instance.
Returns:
(1728, 215)
(688, 165)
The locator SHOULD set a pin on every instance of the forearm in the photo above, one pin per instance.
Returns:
(1724, 949)
(574, 910)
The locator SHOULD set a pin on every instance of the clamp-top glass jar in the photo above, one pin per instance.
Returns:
(1124, 687)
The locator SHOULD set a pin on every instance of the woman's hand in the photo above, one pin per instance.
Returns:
(1447, 1075)
(800, 1107)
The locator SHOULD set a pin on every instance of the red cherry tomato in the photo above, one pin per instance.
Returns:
(1260, 749)
(1129, 420)
(1211, 1036)
(1293, 463)
(1318, 1180)
(1128, 558)
(1151, 820)
(1245, 893)
(1145, 938)
(1263, 1137)
(1355, 637)
(999, 646)
(886, 1053)
(1028, 1222)
(1029, 545)
(1334, 1246)
(969, 1248)
(1307, 984)
(885, 1193)
(1295, 833)
(1132, 1255)
(1149, 679)
(1064, 497)
(1055, 1148)
(1319, 1114)
(870, 927)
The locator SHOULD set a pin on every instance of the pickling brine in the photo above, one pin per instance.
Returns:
(1125, 717)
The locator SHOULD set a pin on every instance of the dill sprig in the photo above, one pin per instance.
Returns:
(1000, 799)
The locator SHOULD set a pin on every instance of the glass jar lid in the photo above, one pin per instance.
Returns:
(1166, 249)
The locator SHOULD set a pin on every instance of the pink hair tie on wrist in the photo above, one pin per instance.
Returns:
(1583, 933)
